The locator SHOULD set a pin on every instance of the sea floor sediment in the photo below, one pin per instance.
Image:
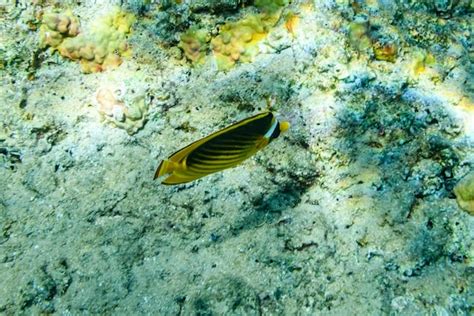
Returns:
(352, 211)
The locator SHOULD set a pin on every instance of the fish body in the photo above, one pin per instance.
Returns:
(221, 150)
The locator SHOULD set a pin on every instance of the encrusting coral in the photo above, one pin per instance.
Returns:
(129, 116)
(56, 27)
(101, 48)
(237, 41)
(464, 191)
(195, 43)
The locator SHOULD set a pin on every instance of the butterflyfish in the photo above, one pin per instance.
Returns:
(221, 150)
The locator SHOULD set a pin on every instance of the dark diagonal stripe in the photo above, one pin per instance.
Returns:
(213, 158)
(217, 152)
(229, 152)
(216, 162)
(230, 143)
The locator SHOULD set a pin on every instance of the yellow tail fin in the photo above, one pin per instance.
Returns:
(165, 167)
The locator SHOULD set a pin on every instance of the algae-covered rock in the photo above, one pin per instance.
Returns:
(271, 6)
(223, 295)
(464, 191)
(214, 6)
(449, 6)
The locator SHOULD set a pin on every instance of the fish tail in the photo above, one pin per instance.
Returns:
(166, 166)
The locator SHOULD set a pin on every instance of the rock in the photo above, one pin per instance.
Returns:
(225, 294)
(214, 6)
(118, 111)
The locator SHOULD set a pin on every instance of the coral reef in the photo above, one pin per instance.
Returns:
(56, 27)
(101, 48)
(238, 41)
(380, 97)
(195, 44)
(113, 110)
(464, 191)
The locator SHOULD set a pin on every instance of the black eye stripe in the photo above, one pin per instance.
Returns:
(276, 132)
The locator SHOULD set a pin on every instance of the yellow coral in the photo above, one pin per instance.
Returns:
(56, 27)
(421, 61)
(422, 64)
(194, 43)
(464, 191)
(101, 48)
(358, 36)
(238, 41)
